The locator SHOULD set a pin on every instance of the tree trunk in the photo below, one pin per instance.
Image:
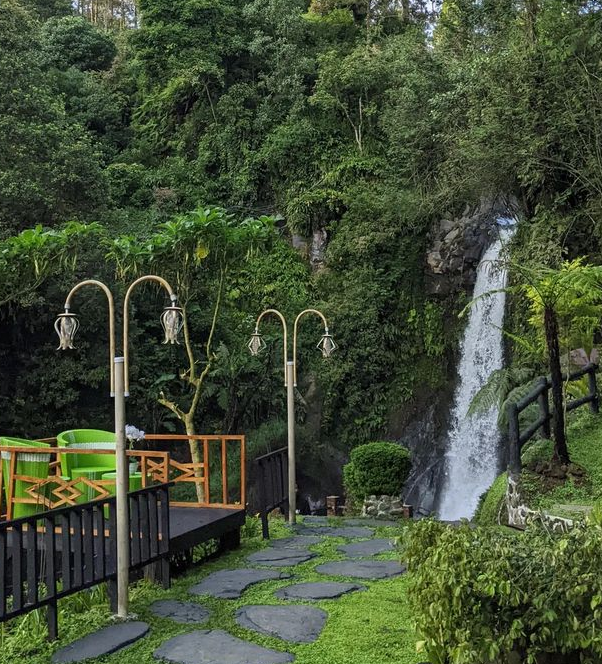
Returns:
(561, 452)
(196, 457)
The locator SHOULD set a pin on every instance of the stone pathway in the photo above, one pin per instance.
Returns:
(317, 590)
(298, 624)
(362, 569)
(280, 557)
(349, 532)
(217, 647)
(296, 542)
(104, 642)
(180, 612)
(367, 548)
(230, 583)
(289, 622)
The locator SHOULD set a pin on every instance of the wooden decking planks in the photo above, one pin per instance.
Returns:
(190, 526)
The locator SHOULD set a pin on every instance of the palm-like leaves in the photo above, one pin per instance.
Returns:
(502, 387)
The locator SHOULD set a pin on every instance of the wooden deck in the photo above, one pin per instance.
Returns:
(189, 526)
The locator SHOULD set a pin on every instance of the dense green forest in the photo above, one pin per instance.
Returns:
(361, 124)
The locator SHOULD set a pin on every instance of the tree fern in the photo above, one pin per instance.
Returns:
(503, 385)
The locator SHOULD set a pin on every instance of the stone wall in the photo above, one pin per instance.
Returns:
(383, 507)
(520, 515)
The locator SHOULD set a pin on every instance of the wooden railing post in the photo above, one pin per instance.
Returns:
(514, 461)
(594, 404)
(263, 501)
(544, 406)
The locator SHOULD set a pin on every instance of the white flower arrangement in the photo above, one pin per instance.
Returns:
(133, 435)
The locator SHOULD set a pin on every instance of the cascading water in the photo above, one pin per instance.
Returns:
(472, 452)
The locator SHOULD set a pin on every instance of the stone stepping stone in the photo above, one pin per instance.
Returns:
(316, 520)
(349, 532)
(296, 542)
(362, 569)
(367, 548)
(217, 647)
(104, 642)
(297, 624)
(317, 590)
(373, 523)
(276, 557)
(180, 612)
(231, 583)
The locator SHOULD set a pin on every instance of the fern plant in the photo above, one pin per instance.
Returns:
(565, 305)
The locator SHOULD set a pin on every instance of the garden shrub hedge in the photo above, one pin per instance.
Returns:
(378, 468)
(493, 596)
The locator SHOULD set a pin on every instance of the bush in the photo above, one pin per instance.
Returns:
(376, 469)
(490, 595)
(491, 505)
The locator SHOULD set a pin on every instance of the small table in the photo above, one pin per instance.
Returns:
(91, 473)
(135, 481)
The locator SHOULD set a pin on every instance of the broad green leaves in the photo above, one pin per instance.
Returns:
(485, 595)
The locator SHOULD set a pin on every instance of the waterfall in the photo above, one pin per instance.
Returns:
(472, 456)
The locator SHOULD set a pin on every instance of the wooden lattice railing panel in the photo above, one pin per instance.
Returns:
(215, 462)
(55, 491)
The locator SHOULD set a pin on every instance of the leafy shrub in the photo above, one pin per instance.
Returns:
(376, 468)
(490, 595)
(491, 505)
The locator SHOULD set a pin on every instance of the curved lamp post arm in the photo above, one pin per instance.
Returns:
(285, 329)
(299, 317)
(107, 292)
(126, 321)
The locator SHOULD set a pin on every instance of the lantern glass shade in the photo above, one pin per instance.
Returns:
(327, 345)
(256, 344)
(66, 326)
(172, 321)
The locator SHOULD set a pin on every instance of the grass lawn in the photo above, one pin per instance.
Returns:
(371, 627)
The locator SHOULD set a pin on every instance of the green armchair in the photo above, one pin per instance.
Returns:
(87, 466)
(35, 466)
(83, 439)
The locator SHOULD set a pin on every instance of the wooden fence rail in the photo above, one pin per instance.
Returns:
(540, 394)
(217, 454)
(59, 552)
(273, 485)
(218, 480)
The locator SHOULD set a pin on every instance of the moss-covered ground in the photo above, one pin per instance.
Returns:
(372, 627)
(569, 497)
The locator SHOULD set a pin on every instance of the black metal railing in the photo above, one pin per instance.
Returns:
(51, 555)
(273, 485)
(540, 394)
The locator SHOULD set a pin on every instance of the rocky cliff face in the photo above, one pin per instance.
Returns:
(455, 249)
(458, 244)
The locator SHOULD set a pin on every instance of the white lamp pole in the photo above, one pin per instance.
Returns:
(66, 327)
(256, 346)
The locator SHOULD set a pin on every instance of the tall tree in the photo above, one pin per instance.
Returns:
(201, 247)
(49, 168)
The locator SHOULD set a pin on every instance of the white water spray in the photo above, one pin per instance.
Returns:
(472, 452)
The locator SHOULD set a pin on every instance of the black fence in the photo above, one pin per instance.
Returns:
(60, 552)
(273, 485)
(540, 394)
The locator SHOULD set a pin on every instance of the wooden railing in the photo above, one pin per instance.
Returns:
(201, 476)
(272, 479)
(540, 394)
(219, 480)
(55, 491)
(57, 553)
